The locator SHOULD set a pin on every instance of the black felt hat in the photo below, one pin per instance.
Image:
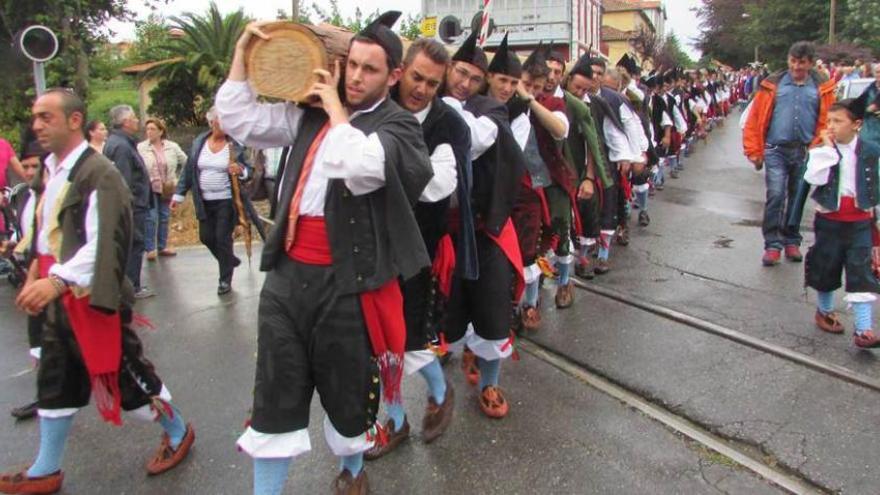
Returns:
(551, 54)
(505, 61)
(853, 105)
(628, 63)
(537, 57)
(380, 31)
(469, 52)
(583, 67)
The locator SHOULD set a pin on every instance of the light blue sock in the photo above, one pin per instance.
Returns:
(353, 463)
(604, 252)
(433, 375)
(826, 301)
(174, 427)
(53, 437)
(862, 313)
(396, 413)
(270, 475)
(531, 293)
(564, 273)
(642, 200)
(489, 371)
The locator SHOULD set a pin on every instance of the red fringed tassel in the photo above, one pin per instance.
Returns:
(141, 322)
(391, 374)
(108, 398)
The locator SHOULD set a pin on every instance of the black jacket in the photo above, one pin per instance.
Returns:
(121, 149)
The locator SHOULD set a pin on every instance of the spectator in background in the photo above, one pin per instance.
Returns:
(870, 101)
(121, 148)
(787, 114)
(163, 159)
(8, 161)
(213, 160)
(96, 133)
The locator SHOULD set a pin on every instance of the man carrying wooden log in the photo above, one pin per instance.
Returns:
(331, 312)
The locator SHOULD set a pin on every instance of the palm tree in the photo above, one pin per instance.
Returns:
(200, 51)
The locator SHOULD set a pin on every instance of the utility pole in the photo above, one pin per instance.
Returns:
(294, 11)
(832, 23)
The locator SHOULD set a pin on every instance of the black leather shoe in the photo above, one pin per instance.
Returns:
(224, 288)
(28, 411)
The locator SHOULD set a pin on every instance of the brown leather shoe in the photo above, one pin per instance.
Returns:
(531, 318)
(584, 268)
(346, 484)
(622, 236)
(469, 367)
(167, 252)
(166, 457)
(867, 340)
(829, 322)
(437, 418)
(565, 296)
(152, 255)
(395, 438)
(493, 403)
(602, 267)
(21, 483)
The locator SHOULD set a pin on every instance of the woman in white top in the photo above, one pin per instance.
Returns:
(208, 174)
(163, 159)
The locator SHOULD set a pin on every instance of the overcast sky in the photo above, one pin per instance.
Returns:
(680, 19)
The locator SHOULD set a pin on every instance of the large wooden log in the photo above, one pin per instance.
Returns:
(283, 67)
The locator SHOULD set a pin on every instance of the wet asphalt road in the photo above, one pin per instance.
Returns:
(701, 256)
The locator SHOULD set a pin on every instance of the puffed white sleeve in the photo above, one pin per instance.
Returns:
(445, 178)
(255, 124)
(80, 268)
(819, 164)
(356, 157)
(484, 132)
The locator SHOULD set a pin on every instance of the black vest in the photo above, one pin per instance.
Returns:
(373, 237)
(868, 156)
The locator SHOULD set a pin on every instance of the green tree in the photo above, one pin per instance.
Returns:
(411, 27)
(861, 23)
(334, 16)
(152, 38)
(201, 58)
(670, 54)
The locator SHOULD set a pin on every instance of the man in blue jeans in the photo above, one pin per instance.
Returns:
(788, 113)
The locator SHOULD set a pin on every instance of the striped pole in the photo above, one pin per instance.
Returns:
(484, 25)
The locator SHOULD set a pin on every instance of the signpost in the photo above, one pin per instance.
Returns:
(39, 44)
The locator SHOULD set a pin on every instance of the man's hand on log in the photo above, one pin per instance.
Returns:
(327, 91)
(238, 71)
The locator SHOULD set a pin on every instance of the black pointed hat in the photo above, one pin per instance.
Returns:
(505, 61)
(628, 63)
(380, 32)
(469, 52)
(855, 107)
(583, 66)
(551, 54)
(537, 57)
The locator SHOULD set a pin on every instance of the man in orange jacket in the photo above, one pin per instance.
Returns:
(787, 114)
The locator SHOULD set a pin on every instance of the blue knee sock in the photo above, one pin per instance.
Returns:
(433, 375)
(531, 293)
(489, 371)
(174, 427)
(564, 273)
(353, 463)
(396, 413)
(826, 301)
(862, 312)
(604, 252)
(270, 475)
(53, 437)
(642, 200)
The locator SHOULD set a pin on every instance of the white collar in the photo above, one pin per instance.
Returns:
(52, 160)
(558, 93)
(850, 145)
(423, 114)
(367, 110)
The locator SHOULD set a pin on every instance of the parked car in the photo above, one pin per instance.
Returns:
(853, 88)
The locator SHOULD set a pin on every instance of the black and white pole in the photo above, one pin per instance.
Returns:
(39, 44)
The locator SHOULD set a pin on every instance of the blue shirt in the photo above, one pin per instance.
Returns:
(795, 112)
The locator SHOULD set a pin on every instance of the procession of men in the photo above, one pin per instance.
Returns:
(425, 201)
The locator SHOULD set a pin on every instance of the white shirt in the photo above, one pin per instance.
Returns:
(445, 178)
(680, 123)
(78, 269)
(214, 173)
(823, 158)
(632, 86)
(484, 132)
(521, 127)
(346, 153)
(635, 133)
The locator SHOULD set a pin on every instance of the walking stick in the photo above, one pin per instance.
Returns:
(243, 220)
